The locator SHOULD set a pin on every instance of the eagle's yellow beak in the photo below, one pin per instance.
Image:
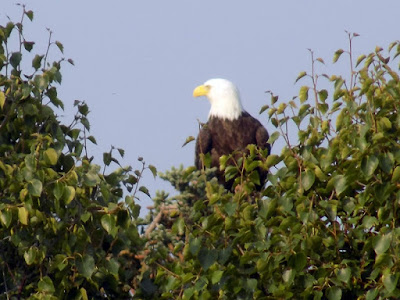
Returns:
(201, 90)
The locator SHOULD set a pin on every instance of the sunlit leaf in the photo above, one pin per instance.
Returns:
(2, 99)
(50, 156)
(274, 136)
(381, 243)
(307, 179)
(301, 75)
(46, 285)
(23, 215)
(188, 140)
(369, 165)
(68, 194)
(303, 95)
(337, 54)
(340, 184)
(390, 281)
(35, 187)
(6, 217)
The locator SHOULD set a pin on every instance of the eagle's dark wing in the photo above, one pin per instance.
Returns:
(203, 145)
(262, 137)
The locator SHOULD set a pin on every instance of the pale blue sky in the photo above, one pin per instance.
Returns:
(137, 62)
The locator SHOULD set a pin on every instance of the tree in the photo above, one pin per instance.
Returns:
(325, 227)
(66, 230)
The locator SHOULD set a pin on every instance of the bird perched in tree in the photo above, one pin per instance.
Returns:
(229, 129)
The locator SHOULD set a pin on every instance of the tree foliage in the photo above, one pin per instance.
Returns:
(326, 225)
(64, 231)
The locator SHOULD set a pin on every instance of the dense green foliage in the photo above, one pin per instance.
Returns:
(64, 231)
(325, 226)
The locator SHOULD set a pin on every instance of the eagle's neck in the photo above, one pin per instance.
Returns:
(228, 107)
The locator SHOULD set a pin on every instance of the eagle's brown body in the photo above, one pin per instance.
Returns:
(223, 136)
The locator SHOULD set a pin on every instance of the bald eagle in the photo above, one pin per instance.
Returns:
(229, 128)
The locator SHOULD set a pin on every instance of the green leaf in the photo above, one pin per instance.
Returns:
(344, 274)
(15, 59)
(300, 261)
(274, 136)
(37, 61)
(369, 165)
(41, 82)
(340, 184)
(29, 14)
(107, 158)
(390, 281)
(307, 179)
(396, 175)
(86, 266)
(109, 224)
(23, 215)
(85, 122)
(83, 293)
(334, 293)
(368, 222)
(28, 45)
(60, 46)
(194, 245)
(188, 293)
(263, 108)
(92, 139)
(301, 75)
(207, 257)
(91, 178)
(6, 217)
(153, 170)
(68, 194)
(58, 190)
(30, 255)
(337, 54)
(381, 243)
(272, 160)
(50, 156)
(216, 276)
(9, 28)
(188, 140)
(288, 276)
(360, 59)
(303, 95)
(144, 190)
(281, 108)
(371, 294)
(323, 95)
(46, 285)
(35, 187)
(2, 99)
(60, 261)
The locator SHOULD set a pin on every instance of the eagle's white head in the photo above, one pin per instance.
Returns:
(223, 96)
